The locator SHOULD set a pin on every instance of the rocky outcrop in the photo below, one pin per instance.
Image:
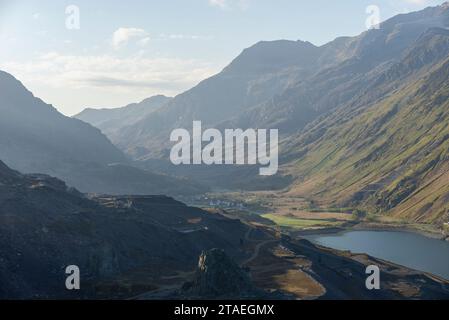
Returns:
(218, 276)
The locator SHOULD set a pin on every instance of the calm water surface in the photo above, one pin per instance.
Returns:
(408, 249)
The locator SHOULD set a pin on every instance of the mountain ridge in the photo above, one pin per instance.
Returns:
(36, 138)
(111, 121)
(282, 84)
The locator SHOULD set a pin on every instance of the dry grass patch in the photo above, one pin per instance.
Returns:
(278, 269)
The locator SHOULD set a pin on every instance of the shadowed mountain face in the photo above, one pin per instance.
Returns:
(45, 227)
(282, 84)
(36, 138)
(252, 78)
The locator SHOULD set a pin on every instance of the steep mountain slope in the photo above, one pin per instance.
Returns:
(45, 227)
(36, 138)
(389, 154)
(283, 84)
(287, 86)
(112, 121)
(256, 75)
(358, 61)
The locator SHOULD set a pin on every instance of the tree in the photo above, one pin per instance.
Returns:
(358, 214)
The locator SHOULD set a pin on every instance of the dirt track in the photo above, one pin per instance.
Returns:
(256, 252)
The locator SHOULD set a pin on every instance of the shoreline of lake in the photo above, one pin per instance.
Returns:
(413, 250)
(369, 226)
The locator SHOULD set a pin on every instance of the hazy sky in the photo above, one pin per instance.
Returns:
(125, 51)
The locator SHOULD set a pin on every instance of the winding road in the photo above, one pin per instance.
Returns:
(256, 252)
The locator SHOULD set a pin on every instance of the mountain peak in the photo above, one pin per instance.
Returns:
(6, 77)
(156, 97)
(12, 87)
(153, 102)
(273, 55)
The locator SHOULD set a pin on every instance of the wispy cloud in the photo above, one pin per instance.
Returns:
(230, 4)
(168, 75)
(122, 36)
(218, 3)
(144, 41)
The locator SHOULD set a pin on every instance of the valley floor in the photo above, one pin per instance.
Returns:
(302, 216)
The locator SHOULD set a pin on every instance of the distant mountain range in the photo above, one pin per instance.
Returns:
(281, 84)
(362, 119)
(36, 138)
(113, 121)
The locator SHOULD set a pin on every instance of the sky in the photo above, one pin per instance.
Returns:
(109, 53)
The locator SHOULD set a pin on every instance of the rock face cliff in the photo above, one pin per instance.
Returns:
(218, 276)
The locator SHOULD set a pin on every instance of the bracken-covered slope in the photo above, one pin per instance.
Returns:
(391, 154)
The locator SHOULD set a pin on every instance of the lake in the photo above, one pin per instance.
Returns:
(408, 249)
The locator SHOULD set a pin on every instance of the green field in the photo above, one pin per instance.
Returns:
(296, 223)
